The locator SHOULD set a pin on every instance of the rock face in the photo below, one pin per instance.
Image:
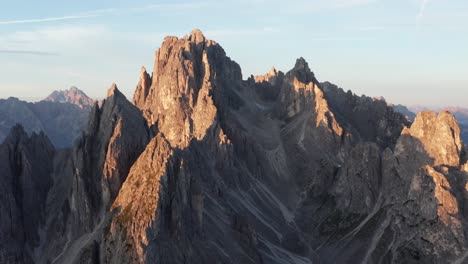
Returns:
(177, 98)
(73, 96)
(462, 117)
(206, 167)
(26, 166)
(62, 123)
(91, 179)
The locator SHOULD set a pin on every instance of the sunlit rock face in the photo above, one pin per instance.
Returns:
(205, 167)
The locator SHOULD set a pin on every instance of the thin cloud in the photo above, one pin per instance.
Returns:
(29, 52)
(47, 19)
(112, 11)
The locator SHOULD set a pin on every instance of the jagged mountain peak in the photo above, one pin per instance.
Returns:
(178, 97)
(73, 96)
(302, 71)
(281, 169)
(439, 135)
(196, 36)
(113, 91)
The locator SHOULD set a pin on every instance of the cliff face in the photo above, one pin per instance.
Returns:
(90, 178)
(206, 167)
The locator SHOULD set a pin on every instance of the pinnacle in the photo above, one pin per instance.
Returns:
(112, 90)
(272, 72)
(196, 36)
(302, 71)
(301, 64)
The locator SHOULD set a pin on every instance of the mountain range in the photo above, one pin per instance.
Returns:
(62, 116)
(203, 166)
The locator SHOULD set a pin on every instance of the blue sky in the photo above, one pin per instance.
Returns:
(413, 52)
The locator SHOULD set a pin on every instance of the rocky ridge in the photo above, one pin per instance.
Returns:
(207, 167)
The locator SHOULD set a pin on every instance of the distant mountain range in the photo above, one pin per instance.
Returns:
(62, 116)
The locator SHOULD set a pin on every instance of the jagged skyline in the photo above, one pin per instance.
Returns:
(410, 52)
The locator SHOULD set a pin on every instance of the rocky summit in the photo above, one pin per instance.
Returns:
(73, 96)
(207, 167)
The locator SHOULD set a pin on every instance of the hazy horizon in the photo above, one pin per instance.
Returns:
(410, 52)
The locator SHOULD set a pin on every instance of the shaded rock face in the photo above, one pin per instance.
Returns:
(91, 179)
(73, 96)
(372, 119)
(26, 168)
(62, 123)
(205, 167)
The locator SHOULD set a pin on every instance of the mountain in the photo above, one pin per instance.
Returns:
(206, 167)
(460, 113)
(405, 111)
(73, 96)
(61, 122)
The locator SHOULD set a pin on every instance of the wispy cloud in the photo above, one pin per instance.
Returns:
(166, 9)
(46, 19)
(29, 52)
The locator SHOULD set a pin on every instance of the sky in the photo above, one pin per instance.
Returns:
(413, 52)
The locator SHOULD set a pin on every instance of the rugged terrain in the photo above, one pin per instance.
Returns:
(205, 167)
(62, 121)
(461, 114)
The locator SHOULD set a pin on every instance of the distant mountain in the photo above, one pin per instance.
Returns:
(73, 96)
(61, 122)
(405, 111)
